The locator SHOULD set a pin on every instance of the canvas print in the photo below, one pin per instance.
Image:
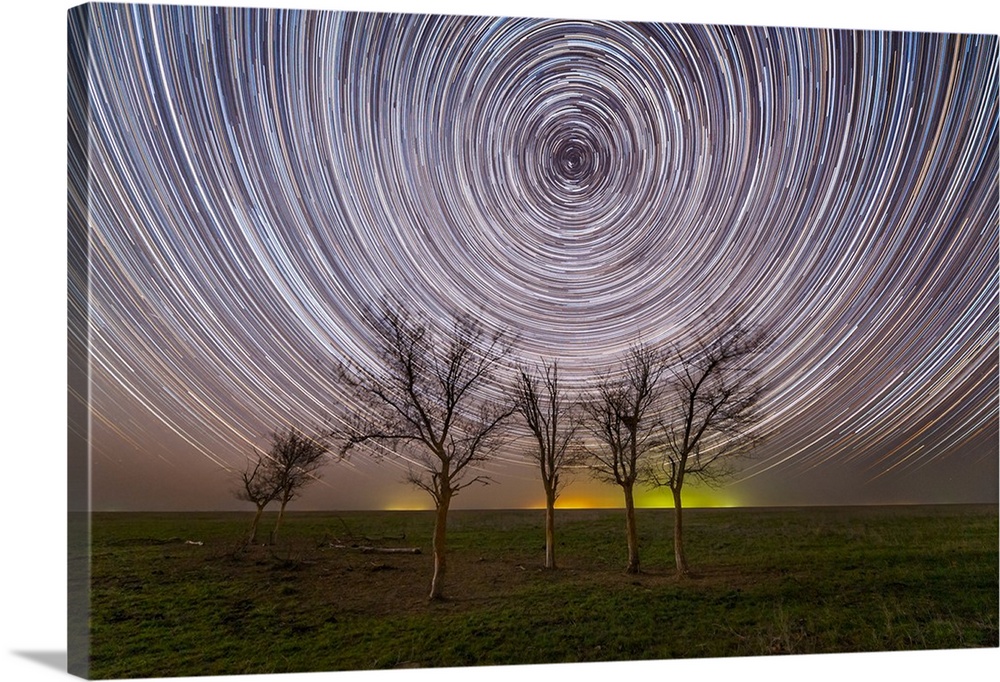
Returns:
(412, 340)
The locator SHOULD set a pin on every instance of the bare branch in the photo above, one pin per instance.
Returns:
(622, 415)
(712, 418)
(433, 401)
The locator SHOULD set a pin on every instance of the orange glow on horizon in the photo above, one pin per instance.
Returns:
(581, 502)
(580, 495)
(587, 497)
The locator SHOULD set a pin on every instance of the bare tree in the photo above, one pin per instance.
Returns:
(436, 403)
(712, 416)
(542, 403)
(295, 460)
(256, 484)
(622, 419)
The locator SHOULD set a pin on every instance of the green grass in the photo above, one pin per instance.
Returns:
(767, 582)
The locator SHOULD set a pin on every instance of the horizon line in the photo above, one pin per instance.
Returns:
(995, 503)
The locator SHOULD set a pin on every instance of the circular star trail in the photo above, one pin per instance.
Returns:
(260, 177)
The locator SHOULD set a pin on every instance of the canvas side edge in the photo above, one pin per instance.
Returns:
(77, 342)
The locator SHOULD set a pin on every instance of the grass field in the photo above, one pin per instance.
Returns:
(782, 581)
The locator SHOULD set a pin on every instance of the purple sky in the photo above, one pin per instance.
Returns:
(259, 177)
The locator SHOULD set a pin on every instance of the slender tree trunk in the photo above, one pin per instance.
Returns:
(277, 523)
(550, 528)
(630, 532)
(252, 535)
(679, 559)
(440, 532)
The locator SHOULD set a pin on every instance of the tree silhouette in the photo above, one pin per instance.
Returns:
(256, 484)
(621, 419)
(711, 417)
(294, 462)
(542, 403)
(435, 402)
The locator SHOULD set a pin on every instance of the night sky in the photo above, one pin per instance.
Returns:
(258, 177)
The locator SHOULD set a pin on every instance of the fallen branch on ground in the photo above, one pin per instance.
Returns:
(368, 549)
(389, 550)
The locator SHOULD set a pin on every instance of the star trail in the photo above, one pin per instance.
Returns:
(258, 177)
